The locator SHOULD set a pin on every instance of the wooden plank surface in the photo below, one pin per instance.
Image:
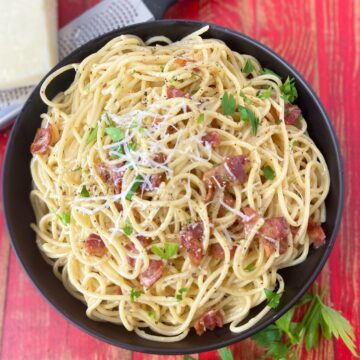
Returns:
(322, 40)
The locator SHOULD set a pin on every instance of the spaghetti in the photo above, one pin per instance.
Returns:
(172, 182)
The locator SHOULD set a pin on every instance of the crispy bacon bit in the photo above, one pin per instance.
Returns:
(231, 172)
(294, 230)
(160, 158)
(144, 241)
(316, 233)
(182, 61)
(174, 93)
(212, 138)
(170, 130)
(94, 245)
(191, 238)
(152, 274)
(229, 201)
(217, 251)
(111, 175)
(196, 69)
(42, 141)
(117, 290)
(292, 114)
(253, 218)
(209, 321)
(275, 230)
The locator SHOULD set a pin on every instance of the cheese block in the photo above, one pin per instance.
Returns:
(28, 41)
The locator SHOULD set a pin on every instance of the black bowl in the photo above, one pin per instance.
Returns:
(19, 214)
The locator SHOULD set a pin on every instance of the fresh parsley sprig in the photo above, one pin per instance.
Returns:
(247, 115)
(288, 90)
(170, 249)
(228, 104)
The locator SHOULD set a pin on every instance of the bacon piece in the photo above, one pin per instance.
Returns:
(231, 172)
(217, 251)
(294, 230)
(111, 175)
(253, 218)
(209, 321)
(174, 93)
(191, 238)
(156, 180)
(275, 230)
(42, 142)
(316, 233)
(152, 274)
(229, 201)
(117, 290)
(292, 114)
(94, 245)
(182, 61)
(212, 138)
(160, 158)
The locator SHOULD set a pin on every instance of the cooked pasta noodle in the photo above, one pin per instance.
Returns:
(119, 184)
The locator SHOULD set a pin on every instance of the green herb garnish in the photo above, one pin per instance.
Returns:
(152, 314)
(135, 294)
(170, 249)
(64, 218)
(288, 90)
(116, 134)
(127, 229)
(250, 267)
(248, 68)
(268, 172)
(119, 152)
(264, 94)
(200, 118)
(132, 146)
(180, 292)
(84, 192)
(134, 187)
(273, 298)
(225, 354)
(247, 115)
(92, 135)
(228, 104)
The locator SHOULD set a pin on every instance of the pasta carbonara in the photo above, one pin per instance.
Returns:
(171, 182)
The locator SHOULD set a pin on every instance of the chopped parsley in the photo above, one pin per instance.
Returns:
(268, 172)
(248, 68)
(116, 134)
(132, 146)
(225, 354)
(134, 187)
(127, 229)
(64, 218)
(195, 91)
(295, 143)
(264, 94)
(152, 314)
(200, 118)
(117, 152)
(247, 115)
(162, 67)
(250, 267)
(174, 78)
(246, 99)
(288, 90)
(84, 192)
(228, 104)
(135, 294)
(180, 292)
(170, 249)
(92, 135)
(273, 298)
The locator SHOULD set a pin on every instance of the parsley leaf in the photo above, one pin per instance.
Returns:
(84, 192)
(127, 229)
(264, 94)
(134, 187)
(179, 295)
(225, 354)
(64, 218)
(268, 172)
(246, 99)
(247, 115)
(134, 294)
(170, 249)
(132, 146)
(248, 68)
(273, 298)
(117, 153)
(200, 118)
(228, 104)
(288, 90)
(152, 314)
(250, 267)
(116, 134)
(92, 135)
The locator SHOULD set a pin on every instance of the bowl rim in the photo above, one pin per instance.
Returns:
(156, 348)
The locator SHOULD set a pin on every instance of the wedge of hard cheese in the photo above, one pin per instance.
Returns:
(28, 41)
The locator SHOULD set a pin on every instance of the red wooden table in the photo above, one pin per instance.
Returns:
(322, 40)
